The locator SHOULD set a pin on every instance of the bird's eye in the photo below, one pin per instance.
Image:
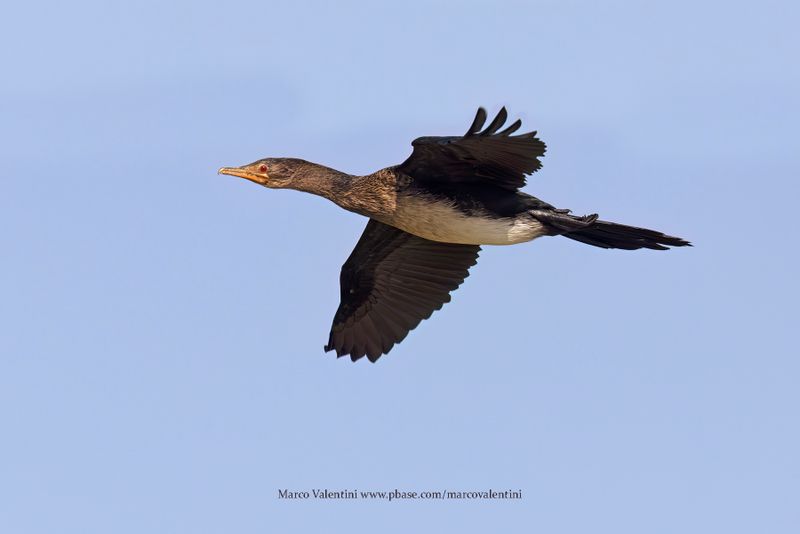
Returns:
(262, 168)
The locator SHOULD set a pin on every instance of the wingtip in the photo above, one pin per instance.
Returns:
(516, 125)
(477, 123)
(498, 121)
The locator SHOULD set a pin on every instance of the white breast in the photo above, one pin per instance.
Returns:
(440, 221)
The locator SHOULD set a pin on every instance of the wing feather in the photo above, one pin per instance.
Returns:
(477, 124)
(389, 284)
(479, 156)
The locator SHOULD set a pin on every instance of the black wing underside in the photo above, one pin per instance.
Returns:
(489, 156)
(392, 281)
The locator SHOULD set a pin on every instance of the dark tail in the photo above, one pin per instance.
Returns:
(612, 235)
(592, 231)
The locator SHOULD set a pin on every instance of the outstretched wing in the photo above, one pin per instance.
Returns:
(486, 156)
(391, 282)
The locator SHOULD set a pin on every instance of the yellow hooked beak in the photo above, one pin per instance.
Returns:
(257, 177)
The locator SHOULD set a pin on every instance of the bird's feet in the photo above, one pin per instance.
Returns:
(561, 221)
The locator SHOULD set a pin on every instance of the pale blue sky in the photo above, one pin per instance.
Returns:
(162, 326)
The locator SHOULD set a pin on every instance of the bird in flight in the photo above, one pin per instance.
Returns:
(428, 218)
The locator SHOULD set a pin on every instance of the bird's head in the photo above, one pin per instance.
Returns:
(277, 173)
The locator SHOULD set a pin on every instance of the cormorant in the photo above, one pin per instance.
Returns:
(428, 217)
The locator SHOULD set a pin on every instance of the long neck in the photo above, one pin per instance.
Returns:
(319, 180)
(369, 195)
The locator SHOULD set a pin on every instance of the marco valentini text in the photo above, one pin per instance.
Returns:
(397, 494)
